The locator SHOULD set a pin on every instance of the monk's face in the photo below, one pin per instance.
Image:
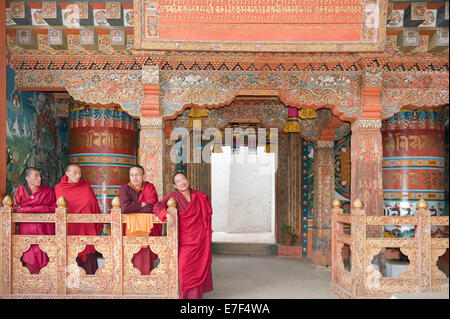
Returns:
(34, 180)
(136, 177)
(74, 174)
(181, 183)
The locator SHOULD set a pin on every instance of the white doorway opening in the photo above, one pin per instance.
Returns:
(243, 196)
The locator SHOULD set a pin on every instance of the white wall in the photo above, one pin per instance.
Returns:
(243, 192)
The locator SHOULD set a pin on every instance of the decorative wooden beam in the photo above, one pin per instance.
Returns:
(439, 40)
(20, 12)
(57, 39)
(442, 16)
(408, 39)
(89, 39)
(86, 14)
(415, 14)
(52, 13)
(118, 41)
(328, 132)
(114, 13)
(26, 38)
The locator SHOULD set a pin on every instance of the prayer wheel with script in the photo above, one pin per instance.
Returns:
(103, 141)
(413, 165)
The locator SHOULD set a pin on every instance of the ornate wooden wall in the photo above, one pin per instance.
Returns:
(363, 280)
(62, 278)
(3, 98)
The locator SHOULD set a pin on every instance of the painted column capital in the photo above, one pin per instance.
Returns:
(372, 76)
(150, 75)
(366, 125)
(151, 123)
(324, 144)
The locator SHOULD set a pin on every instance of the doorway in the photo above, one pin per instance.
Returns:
(243, 195)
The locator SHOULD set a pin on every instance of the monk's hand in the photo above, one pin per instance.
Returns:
(172, 213)
(170, 221)
(143, 204)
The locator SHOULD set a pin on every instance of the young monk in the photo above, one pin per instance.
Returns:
(32, 197)
(136, 200)
(80, 199)
(194, 236)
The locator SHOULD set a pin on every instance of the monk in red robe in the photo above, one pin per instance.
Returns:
(138, 197)
(80, 199)
(32, 197)
(194, 237)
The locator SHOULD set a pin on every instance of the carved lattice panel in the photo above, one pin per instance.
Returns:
(25, 283)
(102, 281)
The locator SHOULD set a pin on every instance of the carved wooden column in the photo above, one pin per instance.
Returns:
(62, 277)
(336, 249)
(151, 142)
(323, 197)
(423, 235)
(366, 174)
(366, 146)
(117, 245)
(358, 247)
(6, 246)
(366, 160)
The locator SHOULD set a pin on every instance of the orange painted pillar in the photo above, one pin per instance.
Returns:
(366, 147)
(366, 158)
(151, 139)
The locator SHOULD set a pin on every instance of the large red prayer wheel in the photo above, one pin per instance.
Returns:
(103, 142)
(413, 165)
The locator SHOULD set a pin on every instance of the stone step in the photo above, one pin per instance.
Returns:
(254, 249)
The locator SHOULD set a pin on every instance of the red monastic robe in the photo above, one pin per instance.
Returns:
(130, 202)
(194, 242)
(43, 200)
(81, 199)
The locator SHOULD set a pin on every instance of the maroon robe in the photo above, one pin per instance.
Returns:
(81, 199)
(43, 200)
(130, 202)
(194, 242)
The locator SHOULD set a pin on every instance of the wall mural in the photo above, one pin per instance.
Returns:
(35, 136)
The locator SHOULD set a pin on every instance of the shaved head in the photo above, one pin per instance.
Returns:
(73, 173)
(28, 171)
(33, 178)
(71, 166)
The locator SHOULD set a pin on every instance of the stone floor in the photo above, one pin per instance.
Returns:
(259, 237)
(271, 277)
(259, 277)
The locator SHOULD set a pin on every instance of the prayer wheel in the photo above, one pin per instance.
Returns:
(103, 141)
(413, 165)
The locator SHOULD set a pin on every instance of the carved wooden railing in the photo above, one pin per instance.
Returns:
(62, 278)
(364, 280)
